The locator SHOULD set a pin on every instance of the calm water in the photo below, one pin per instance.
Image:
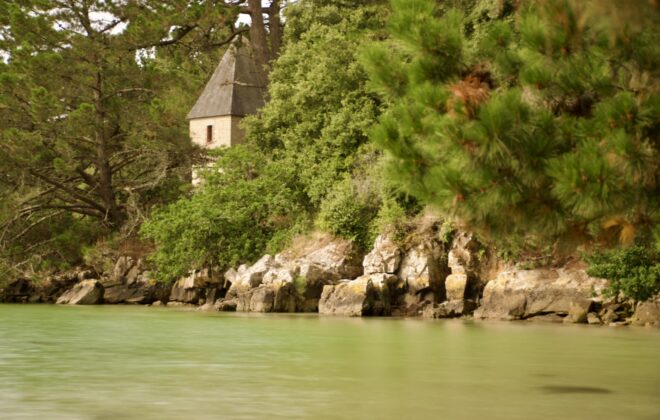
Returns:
(114, 362)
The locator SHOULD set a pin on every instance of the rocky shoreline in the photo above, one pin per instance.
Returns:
(429, 277)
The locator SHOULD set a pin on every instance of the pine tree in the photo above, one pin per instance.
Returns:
(534, 123)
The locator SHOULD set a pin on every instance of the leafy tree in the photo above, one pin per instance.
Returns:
(93, 130)
(231, 219)
(319, 111)
(532, 122)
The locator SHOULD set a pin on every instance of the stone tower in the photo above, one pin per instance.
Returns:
(234, 91)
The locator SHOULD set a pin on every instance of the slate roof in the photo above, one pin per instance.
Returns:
(235, 88)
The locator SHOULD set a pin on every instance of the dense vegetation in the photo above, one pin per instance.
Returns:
(534, 124)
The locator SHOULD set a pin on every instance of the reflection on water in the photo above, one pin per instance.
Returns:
(153, 363)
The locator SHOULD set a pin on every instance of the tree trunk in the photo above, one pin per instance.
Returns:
(259, 37)
(106, 191)
(275, 26)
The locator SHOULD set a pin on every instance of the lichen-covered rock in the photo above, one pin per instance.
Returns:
(520, 294)
(366, 295)
(385, 257)
(424, 268)
(647, 313)
(87, 292)
(456, 286)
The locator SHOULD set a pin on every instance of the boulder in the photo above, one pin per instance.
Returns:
(366, 295)
(647, 313)
(123, 265)
(253, 275)
(331, 263)
(578, 311)
(281, 275)
(456, 286)
(424, 268)
(449, 309)
(285, 298)
(262, 299)
(385, 257)
(87, 292)
(520, 294)
(463, 260)
(141, 290)
(593, 319)
(192, 289)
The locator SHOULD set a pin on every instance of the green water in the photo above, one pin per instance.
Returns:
(114, 362)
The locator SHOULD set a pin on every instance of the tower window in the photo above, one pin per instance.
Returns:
(209, 134)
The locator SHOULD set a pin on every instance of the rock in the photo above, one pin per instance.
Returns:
(449, 309)
(192, 289)
(519, 294)
(230, 277)
(18, 291)
(464, 260)
(87, 292)
(463, 257)
(253, 276)
(225, 305)
(285, 298)
(456, 286)
(424, 268)
(385, 257)
(592, 319)
(157, 303)
(121, 269)
(551, 317)
(366, 295)
(647, 313)
(334, 261)
(262, 299)
(577, 311)
(280, 275)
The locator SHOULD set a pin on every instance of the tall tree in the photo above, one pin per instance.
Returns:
(533, 122)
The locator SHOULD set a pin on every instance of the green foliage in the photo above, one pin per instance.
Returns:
(319, 111)
(532, 124)
(348, 212)
(635, 271)
(244, 202)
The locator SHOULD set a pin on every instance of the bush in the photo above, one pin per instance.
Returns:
(348, 212)
(634, 271)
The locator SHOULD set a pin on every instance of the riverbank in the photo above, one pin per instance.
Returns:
(431, 275)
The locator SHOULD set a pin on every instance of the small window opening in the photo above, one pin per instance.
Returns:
(209, 134)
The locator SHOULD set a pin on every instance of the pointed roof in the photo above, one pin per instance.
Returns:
(235, 88)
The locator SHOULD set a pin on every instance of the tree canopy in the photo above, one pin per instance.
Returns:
(535, 123)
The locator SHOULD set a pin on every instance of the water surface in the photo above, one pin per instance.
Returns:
(123, 362)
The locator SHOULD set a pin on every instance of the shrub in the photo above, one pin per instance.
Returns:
(348, 212)
(635, 271)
